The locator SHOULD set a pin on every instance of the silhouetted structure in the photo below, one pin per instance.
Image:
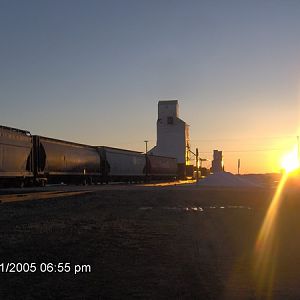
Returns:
(172, 136)
(217, 163)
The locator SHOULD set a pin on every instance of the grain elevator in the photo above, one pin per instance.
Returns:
(172, 135)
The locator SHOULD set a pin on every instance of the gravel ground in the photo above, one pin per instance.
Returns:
(159, 243)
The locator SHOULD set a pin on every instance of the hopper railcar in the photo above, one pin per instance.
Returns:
(122, 165)
(133, 166)
(58, 161)
(161, 167)
(16, 161)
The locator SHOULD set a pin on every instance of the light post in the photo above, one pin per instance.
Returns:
(146, 160)
(197, 165)
(146, 142)
(298, 149)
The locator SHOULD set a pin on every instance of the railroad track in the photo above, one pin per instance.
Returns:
(17, 195)
(40, 195)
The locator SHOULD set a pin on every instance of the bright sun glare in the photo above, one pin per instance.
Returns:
(266, 241)
(290, 161)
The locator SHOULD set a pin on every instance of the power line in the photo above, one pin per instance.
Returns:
(242, 139)
(250, 150)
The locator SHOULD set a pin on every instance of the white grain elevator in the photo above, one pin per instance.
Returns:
(172, 135)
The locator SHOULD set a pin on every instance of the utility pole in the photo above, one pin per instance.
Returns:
(201, 160)
(197, 165)
(146, 160)
(298, 149)
(197, 160)
(239, 165)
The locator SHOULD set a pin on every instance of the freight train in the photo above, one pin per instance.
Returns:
(27, 159)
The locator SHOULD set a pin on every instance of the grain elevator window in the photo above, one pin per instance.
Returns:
(170, 120)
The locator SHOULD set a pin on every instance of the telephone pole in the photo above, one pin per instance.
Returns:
(146, 161)
(197, 165)
(298, 149)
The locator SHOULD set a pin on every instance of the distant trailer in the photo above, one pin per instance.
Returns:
(161, 167)
(16, 166)
(59, 161)
(122, 165)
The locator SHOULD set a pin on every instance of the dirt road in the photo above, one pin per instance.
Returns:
(145, 243)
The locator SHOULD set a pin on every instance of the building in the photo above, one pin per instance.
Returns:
(217, 163)
(172, 135)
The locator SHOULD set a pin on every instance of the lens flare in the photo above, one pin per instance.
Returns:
(290, 161)
(266, 243)
(266, 246)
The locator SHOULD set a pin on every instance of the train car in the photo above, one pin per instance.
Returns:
(57, 161)
(161, 167)
(16, 166)
(122, 165)
(27, 159)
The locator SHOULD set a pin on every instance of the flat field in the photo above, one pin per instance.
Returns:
(149, 243)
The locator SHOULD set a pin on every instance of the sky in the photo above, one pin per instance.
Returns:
(93, 72)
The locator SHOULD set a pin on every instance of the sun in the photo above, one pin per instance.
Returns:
(290, 161)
